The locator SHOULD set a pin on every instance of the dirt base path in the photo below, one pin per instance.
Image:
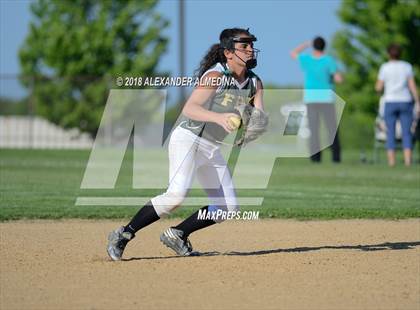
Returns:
(269, 264)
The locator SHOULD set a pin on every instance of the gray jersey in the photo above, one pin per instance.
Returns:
(226, 97)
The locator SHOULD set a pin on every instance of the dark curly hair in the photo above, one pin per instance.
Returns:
(319, 44)
(394, 51)
(215, 53)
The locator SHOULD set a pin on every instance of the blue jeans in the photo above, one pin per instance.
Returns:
(403, 111)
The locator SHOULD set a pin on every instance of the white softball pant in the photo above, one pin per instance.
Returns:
(189, 156)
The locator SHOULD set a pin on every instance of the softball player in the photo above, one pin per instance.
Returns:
(194, 145)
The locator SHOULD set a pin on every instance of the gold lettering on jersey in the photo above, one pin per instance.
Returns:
(227, 99)
(241, 100)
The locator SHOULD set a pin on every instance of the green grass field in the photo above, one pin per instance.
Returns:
(45, 184)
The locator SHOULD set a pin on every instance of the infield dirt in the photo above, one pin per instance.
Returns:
(266, 264)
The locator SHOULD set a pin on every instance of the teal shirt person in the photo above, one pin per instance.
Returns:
(318, 72)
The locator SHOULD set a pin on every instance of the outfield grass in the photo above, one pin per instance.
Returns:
(46, 183)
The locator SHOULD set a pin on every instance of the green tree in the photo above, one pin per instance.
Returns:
(371, 26)
(76, 48)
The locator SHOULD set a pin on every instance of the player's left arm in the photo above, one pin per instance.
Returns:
(254, 118)
(258, 100)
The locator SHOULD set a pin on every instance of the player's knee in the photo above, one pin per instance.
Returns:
(232, 204)
(217, 213)
(167, 202)
(223, 213)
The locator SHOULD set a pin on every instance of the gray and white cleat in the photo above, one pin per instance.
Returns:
(173, 238)
(117, 241)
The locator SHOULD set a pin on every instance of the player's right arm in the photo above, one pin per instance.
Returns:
(195, 110)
